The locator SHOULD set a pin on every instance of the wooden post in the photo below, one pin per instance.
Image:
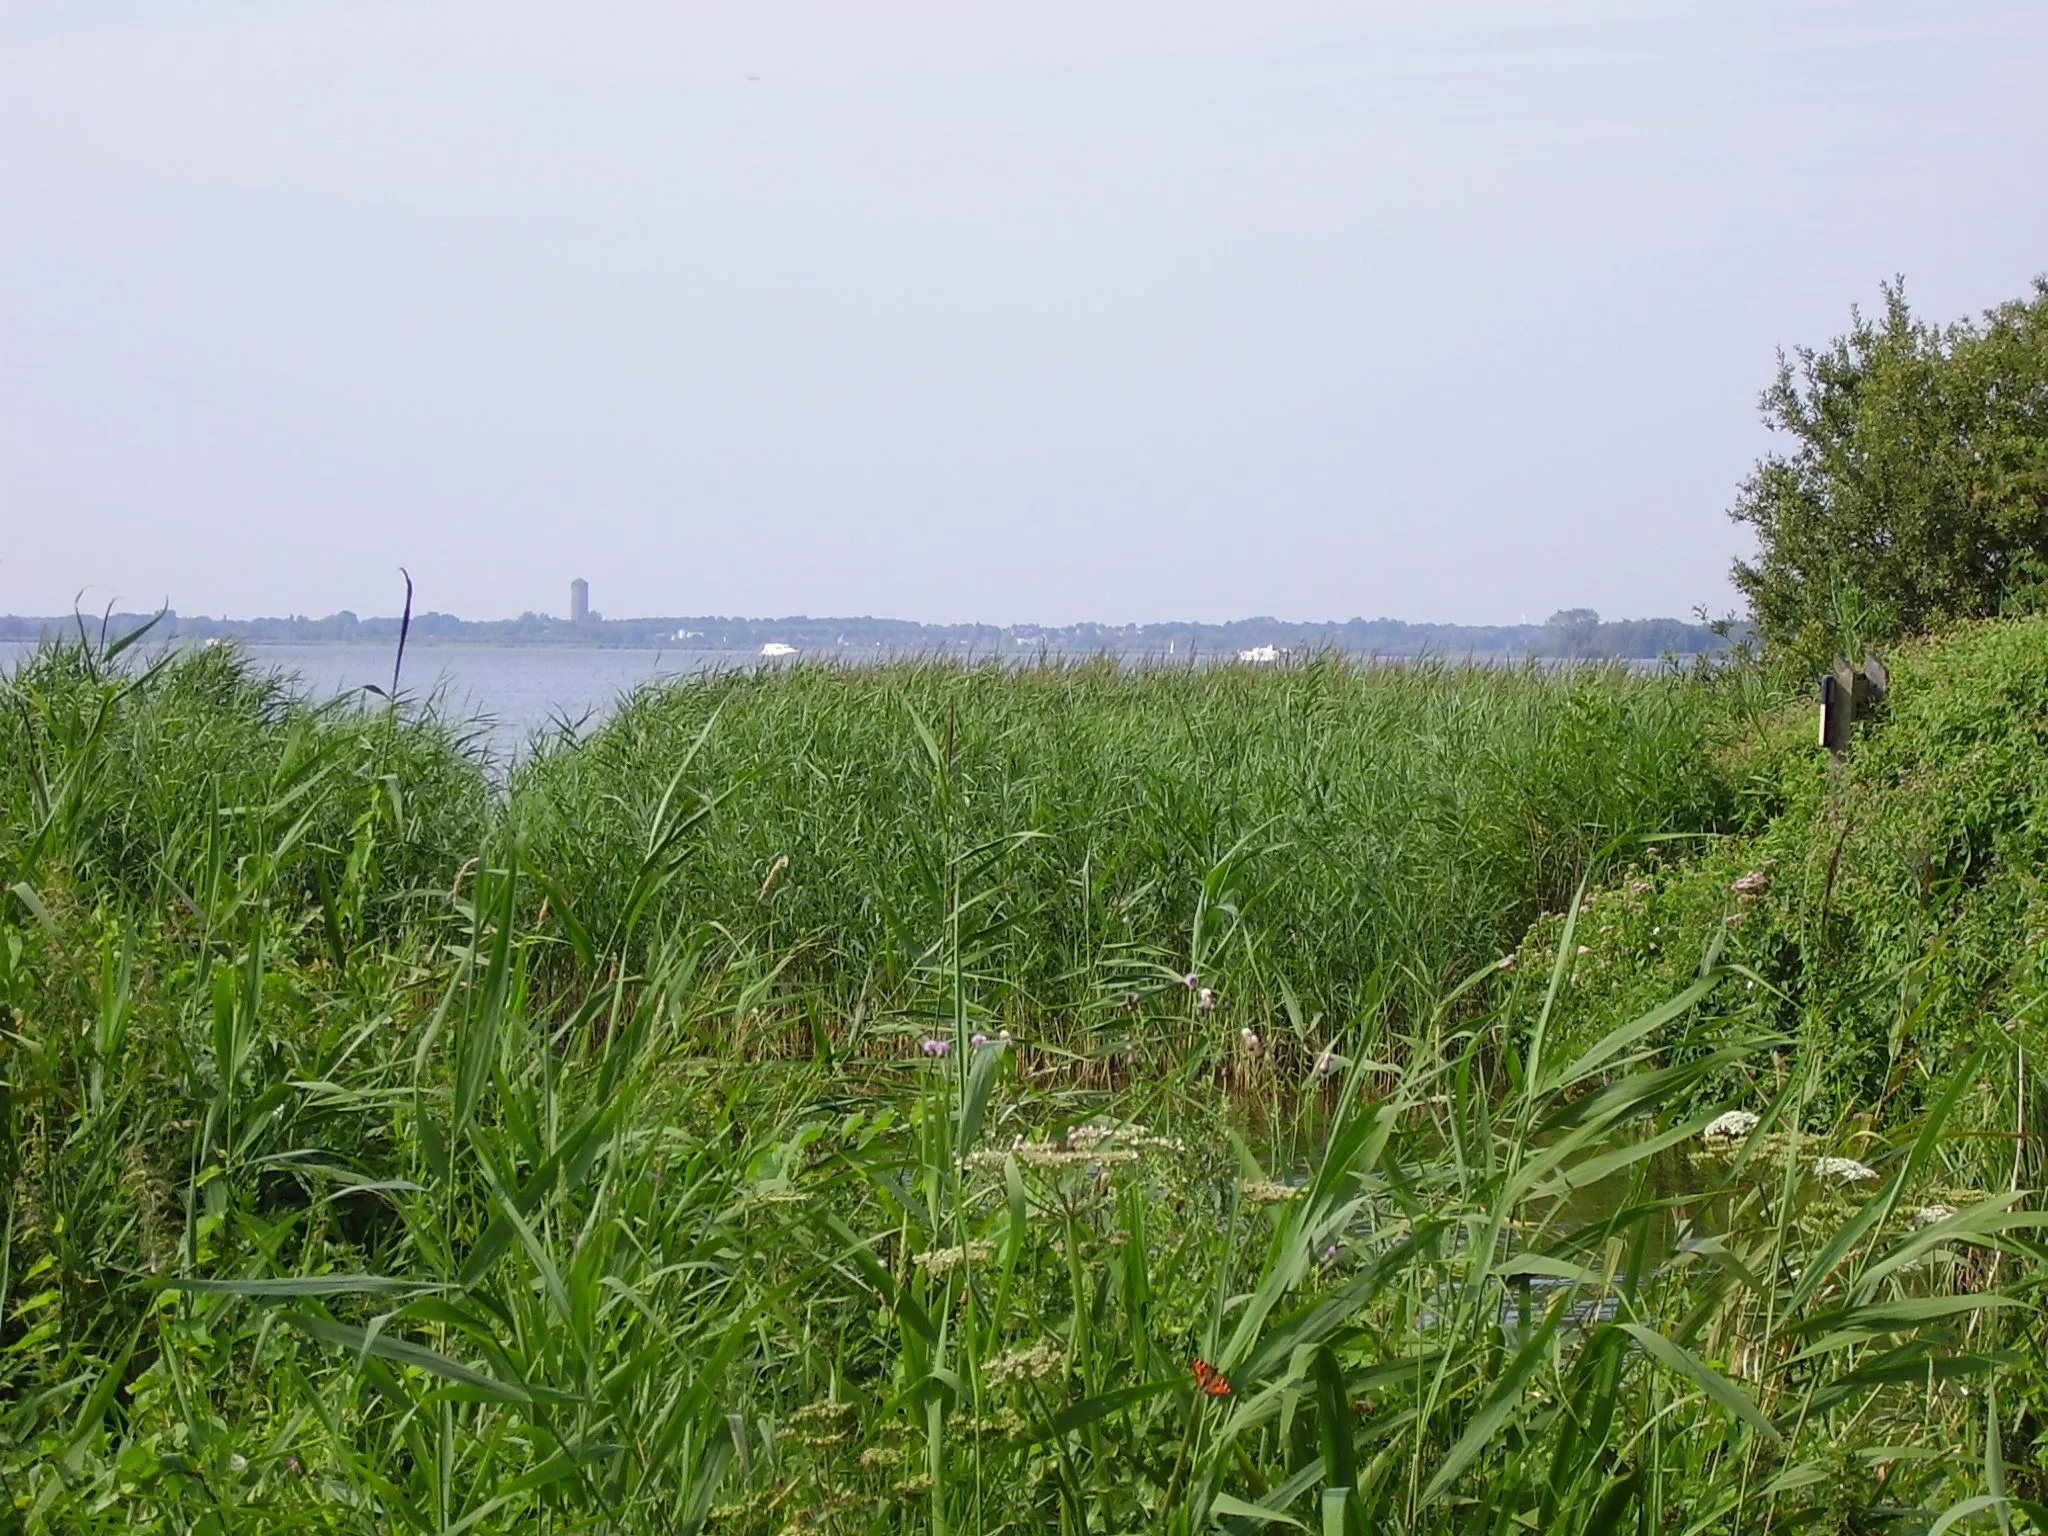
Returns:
(1837, 708)
(1846, 692)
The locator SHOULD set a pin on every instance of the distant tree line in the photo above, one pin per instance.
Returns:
(1577, 632)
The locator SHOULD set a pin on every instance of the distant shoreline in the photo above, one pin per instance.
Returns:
(1579, 633)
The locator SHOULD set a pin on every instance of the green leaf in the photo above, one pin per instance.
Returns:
(26, 895)
(1333, 1410)
(300, 1285)
(1224, 1506)
(1087, 1411)
(1495, 1412)
(1889, 1317)
(101, 1399)
(1545, 1264)
(364, 1341)
(1676, 1357)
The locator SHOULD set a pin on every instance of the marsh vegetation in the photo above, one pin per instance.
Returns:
(1073, 1099)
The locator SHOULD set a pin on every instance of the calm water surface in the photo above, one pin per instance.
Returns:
(513, 691)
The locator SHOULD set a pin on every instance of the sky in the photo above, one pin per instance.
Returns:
(1115, 310)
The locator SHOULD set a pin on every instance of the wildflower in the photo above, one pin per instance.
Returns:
(1750, 884)
(1205, 999)
(941, 1261)
(1003, 1035)
(1327, 1063)
(1160, 1143)
(1640, 887)
(1191, 981)
(1267, 1192)
(1003, 1424)
(1050, 1155)
(1330, 1254)
(882, 1457)
(237, 1462)
(1585, 949)
(1250, 1038)
(1731, 1126)
(1133, 1138)
(936, 1047)
(1035, 1363)
(1507, 963)
(1928, 1215)
(977, 1040)
(1847, 1169)
(913, 1487)
(825, 1413)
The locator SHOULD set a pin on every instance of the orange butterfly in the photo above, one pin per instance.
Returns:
(1210, 1380)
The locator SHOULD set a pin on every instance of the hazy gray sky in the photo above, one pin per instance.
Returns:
(1115, 309)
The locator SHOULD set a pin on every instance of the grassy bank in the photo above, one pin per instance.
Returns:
(1889, 916)
(386, 1153)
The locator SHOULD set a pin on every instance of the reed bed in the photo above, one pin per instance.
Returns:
(385, 1153)
(1323, 836)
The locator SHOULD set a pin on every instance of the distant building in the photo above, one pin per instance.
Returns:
(579, 601)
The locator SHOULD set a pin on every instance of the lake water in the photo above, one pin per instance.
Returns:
(514, 690)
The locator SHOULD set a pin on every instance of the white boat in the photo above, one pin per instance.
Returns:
(1260, 653)
(777, 648)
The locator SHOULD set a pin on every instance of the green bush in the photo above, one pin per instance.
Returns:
(1915, 493)
(1893, 912)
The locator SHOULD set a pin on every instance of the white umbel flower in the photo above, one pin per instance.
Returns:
(1847, 1169)
(941, 1261)
(1731, 1126)
(1035, 1363)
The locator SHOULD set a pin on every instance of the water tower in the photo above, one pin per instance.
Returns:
(579, 601)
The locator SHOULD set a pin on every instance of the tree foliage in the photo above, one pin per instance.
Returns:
(1916, 490)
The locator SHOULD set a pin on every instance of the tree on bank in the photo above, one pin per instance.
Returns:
(1916, 488)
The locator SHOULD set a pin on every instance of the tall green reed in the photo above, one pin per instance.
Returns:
(1335, 828)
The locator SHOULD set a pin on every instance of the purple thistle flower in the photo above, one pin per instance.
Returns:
(936, 1047)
